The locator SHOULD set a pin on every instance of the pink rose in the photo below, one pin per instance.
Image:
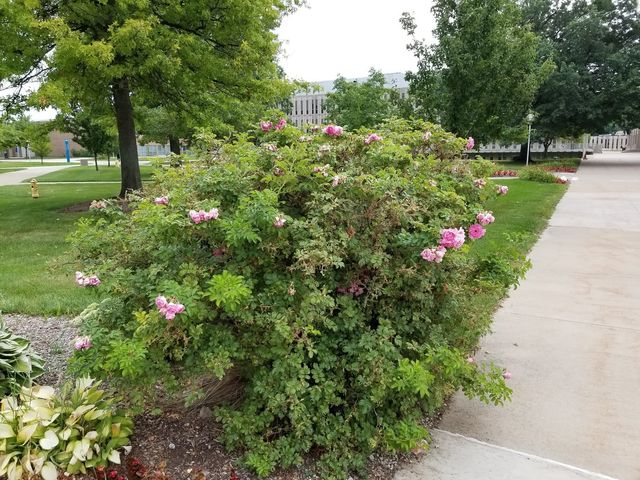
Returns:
(433, 254)
(332, 130)
(337, 180)
(506, 375)
(195, 216)
(279, 222)
(480, 182)
(265, 126)
(210, 215)
(372, 138)
(485, 218)
(84, 281)
(471, 360)
(470, 143)
(502, 189)
(452, 238)
(168, 309)
(476, 231)
(164, 200)
(98, 205)
(82, 343)
(281, 124)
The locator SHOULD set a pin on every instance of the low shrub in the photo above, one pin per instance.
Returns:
(328, 272)
(75, 429)
(537, 174)
(19, 364)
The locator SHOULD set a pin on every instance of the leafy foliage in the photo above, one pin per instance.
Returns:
(537, 174)
(19, 365)
(42, 430)
(482, 75)
(343, 336)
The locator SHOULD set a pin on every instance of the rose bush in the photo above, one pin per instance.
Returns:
(321, 282)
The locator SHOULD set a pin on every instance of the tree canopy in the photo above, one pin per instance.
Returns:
(482, 75)
(198, 57)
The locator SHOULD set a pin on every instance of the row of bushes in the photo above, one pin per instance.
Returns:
(287, 266)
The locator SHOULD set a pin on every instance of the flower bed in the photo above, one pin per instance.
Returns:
(505, 173)
(559, 169)
(329, 273)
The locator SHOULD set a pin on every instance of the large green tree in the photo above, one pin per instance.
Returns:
(365, 104)
(596, 46)
(481, 76)
(196, 56)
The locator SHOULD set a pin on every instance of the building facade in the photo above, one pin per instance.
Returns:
(310, 107)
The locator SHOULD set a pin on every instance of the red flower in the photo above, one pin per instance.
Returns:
(233, 475)
(112, 474)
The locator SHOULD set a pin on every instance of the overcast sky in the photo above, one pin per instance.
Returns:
(348, 37)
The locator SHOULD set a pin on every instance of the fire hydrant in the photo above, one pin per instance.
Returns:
(34, 189)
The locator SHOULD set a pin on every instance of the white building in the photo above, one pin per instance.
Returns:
(309, 107)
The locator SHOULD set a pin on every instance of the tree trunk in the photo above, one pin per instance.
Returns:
(174, 145)
(547, 144)
(108, 159)
(522, 158)
(95, 160)
(129, 167)
(41, 160)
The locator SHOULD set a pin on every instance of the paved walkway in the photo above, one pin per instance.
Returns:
(571, 337)
(17, 177)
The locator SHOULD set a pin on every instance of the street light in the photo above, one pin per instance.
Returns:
(530, 118)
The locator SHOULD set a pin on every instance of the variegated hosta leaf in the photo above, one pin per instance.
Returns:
(50, 440)
(6, 431)
(25, 433)
(114, 456)
(49, 471)
(44, 391)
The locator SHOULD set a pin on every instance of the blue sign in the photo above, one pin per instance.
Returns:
(67, 152)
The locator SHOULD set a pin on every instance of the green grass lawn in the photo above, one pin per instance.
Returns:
(11, 163)
(561, 162)
(35, 274)
(89, 174)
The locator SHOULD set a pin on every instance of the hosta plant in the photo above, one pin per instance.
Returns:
(19, 364)
(44, 432)
(329, 271)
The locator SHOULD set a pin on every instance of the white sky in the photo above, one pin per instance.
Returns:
(348, 37)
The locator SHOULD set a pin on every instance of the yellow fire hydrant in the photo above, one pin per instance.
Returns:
(34, 189)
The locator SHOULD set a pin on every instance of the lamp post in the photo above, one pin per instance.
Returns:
(530, 118)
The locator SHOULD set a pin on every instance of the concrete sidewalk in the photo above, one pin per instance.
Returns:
(571, 337)
(18, 176)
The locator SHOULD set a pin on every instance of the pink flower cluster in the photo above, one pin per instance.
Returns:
(82, 343)
(337, 180)
(374, 137)
(480, 182)
(452, 238)
(502, 189)
(476, 231)
(470, 143)
(323, 170)
(168, 309)
(332, 130)
(268, 126)
(202, 216)
(279, 222)
(485, 218)
(356, 289)
(164, 200)
(433, 254)
(87, 281)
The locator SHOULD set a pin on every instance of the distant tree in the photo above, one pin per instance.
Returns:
(89, 130)
(213, 59)
(481, 77)
(596, 46)
(41, 146)
(37, 135)
(355, 105)
(162, 126)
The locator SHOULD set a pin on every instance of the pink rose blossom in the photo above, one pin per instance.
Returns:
(356, 289)
(202, 216)
(452, 237)
(82, 343)
(168, 309)
(98, 205)
(427, 136)
(470, 143)
(164, 200)
(337, 180)
(502, 189)
(322, 170)
(433, 254)
(279, 222)
(281, 124)
(372, 138)
(324, 149)
(266, 126)
(485, 218)
(332, 130)
(480, 182)
(87, 281)
(476, 231)
(278, 172)
(506, 375)
(471, 360)
(195, 216)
